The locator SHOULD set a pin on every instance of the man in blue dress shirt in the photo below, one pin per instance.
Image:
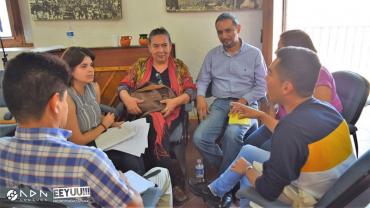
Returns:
(237, 72)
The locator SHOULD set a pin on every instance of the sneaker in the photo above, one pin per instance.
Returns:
(201, 189)
(226, 201)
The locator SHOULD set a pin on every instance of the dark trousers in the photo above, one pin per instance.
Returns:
(260, 138)
(151, 159)
(125, 162)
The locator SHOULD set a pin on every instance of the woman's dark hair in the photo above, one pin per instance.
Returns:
(75, 55)
(297, 38)
(30, 80)
(299, 65)
(159, 31)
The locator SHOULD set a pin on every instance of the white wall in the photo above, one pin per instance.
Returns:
(193, 33)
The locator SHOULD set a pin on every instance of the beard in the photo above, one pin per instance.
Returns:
(229, 43)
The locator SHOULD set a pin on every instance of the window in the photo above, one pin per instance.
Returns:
(339, 29)
(273, 24)
(5, 30)
(11, 24)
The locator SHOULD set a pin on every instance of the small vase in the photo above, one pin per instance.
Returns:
(143, 39)
(125, 41)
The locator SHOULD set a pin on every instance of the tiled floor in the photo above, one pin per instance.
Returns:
(192, 154)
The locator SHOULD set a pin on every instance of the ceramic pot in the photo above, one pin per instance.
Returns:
(143, 39)
(125, 41)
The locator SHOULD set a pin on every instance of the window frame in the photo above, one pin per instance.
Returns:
(18, 38)
(267, 31)
(272, 25)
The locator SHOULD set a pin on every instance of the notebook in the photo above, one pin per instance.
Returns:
(137, 182)
(234, 119)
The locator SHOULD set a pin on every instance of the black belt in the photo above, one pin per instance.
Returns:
(231, 98)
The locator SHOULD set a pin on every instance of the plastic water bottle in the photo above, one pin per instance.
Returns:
(199, 171)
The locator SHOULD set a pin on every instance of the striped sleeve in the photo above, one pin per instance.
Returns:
(107, 188)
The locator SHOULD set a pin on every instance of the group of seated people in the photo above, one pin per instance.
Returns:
(304, 144)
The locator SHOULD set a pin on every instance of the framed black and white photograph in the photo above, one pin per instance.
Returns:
(76, 10)
(211, 5)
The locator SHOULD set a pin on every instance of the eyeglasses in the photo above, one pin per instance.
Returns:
(159, 78)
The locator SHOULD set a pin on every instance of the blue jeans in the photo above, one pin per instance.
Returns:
(151, 197)
(229, 178)
(211, 128)
(260, 138)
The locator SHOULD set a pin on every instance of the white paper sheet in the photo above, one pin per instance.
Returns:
(139, 142)
(137, 182)
(115, 136)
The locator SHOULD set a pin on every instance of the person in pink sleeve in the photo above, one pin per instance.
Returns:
(324, 91)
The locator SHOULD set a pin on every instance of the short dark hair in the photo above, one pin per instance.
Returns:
(226, 16)
(297, 38)
(159, 31)
(75, 55)
(30, 80)
(299, 65)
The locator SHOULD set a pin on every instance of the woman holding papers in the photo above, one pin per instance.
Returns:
(85, 119)
(161, 68)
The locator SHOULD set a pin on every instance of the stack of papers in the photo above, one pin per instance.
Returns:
(131, 138)
(114, 136)
(137, 144)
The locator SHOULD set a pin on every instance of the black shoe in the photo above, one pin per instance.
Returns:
(225, 202)
(201, 189)
(227, 199)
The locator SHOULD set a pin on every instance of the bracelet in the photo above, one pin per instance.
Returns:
(105, 128)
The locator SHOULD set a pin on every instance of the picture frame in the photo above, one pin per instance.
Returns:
(76, 10)
(211, 5)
